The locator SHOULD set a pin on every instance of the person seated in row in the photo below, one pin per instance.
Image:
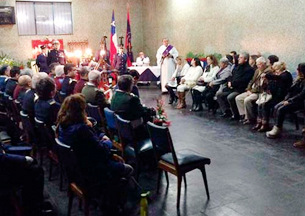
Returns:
(245, 101)
(217, 83)
(68, 83)
(92, 93)
(46, 108)
(83, 73)
(272, 59)
(189, 81)
(27, 71)
(252, 61)
(142, 60)
(293, 102)
(277, 85)
(52, 67)
(135, 75)
(4, 76)
(12, 82)
(30, 96)
(59, 76)
(24, 83)
(99, 167)
(181, 69)
(198, 91)
(237, 83)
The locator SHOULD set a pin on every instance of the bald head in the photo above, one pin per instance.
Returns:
(25, 81)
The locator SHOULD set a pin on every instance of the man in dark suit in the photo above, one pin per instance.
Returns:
(120, 61)
(83, 73)
(12, 82)
(42, 60)
(92, 94)
(57, 55)
(68, 84)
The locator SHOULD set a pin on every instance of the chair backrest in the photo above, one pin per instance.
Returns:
(110, 118)
(94, 112)
(44, 135)
(125, 130)
(162, 141)
(68, 161)
(28, 127)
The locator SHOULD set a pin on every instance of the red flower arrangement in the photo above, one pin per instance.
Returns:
(161, 117)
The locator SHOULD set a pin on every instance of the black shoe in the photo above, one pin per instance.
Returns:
(234, 118)
(225, 115)
(171, 101)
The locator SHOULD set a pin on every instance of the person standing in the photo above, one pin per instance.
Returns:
(120, 61)
(42, 60)
(57, 55)
(166, 56)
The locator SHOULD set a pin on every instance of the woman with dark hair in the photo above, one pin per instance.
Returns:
(189, 81)
(199, 91)
(272, 59)
(252, 61)
(97, 164)
(293, 101)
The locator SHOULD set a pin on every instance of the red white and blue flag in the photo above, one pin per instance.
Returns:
(113, 40)
(128, 40)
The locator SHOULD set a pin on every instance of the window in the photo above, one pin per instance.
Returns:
(44, 18)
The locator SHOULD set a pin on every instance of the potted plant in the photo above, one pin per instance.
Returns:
(161, 117)
(189, 57)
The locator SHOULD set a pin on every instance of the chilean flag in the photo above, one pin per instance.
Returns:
(128, 40)
(113, 40)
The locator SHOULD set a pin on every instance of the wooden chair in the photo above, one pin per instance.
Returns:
(112, 128)
(177, 163)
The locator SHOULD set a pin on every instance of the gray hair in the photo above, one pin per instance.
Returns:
(37, 77)
(224, 60)
(94, 75)
(245, 54)
(261, 60)
(27, 71)
(59, 70)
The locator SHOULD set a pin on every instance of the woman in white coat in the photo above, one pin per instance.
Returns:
(198, 92)
(181, 70)
(189, 81)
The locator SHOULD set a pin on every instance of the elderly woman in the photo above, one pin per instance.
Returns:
(278, 84)
(59, 76)
(245, 100)
(220, 79)
(293, 101)
(181, 70)
(189, 81)
(198, 92)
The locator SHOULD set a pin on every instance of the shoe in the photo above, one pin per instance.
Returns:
(171, 101)
(246, 121)
(264, 127)
(234, 118)
(274, 133)
(299, 144)
(257, 126)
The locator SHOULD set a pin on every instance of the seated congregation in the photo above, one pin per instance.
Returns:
(246, 88)
(101, 146)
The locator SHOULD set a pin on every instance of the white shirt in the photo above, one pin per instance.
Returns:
(143, 61)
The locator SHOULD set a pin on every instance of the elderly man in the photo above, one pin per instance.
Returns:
(166, 56)
(92, 94)
(57, 55)
(142, 60)
(83, 73)
(30, 95)
(237, 84)
(245, 101)
(24, 83)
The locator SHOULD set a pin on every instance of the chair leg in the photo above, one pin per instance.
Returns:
(71, 196)
(205, 181)
(179, 191)
(184, 178)
(166, 176)
(50, 170)
(159, 179)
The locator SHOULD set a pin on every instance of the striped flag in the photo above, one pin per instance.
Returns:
(128, 40)
(113, 40)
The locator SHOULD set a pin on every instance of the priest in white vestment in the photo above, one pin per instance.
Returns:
(166, 56)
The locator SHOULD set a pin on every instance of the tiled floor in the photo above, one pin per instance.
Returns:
(249, 174)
